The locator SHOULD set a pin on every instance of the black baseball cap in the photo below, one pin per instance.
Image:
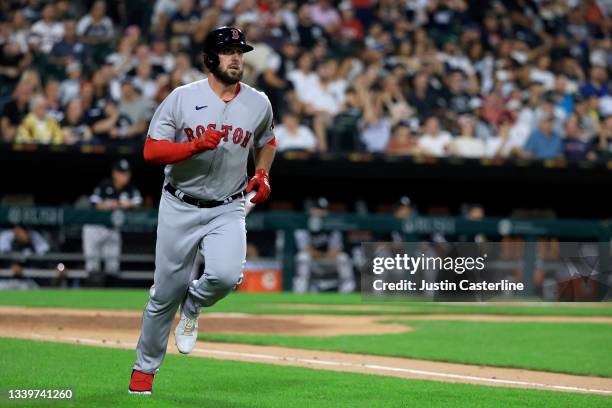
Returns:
(403, 201)
(122, 165)
(321, 203)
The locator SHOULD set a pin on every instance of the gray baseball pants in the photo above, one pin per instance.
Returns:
(187, 238)
(101, 243)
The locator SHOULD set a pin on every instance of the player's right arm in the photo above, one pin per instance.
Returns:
(160, 146)
(166, 152)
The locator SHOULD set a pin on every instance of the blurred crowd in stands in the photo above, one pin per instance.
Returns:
(443, 78)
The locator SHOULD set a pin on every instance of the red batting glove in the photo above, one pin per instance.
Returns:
(208, 141)
(260, 179)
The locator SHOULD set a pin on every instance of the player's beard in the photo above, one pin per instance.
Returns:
(228, 77)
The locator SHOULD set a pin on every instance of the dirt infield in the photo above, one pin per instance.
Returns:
(120, 329)
(233, 323)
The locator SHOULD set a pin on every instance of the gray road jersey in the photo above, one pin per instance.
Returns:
(187, 112)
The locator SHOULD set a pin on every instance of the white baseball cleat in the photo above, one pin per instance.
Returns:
(186, 334)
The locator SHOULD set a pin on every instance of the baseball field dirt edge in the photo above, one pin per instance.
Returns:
(203, 382)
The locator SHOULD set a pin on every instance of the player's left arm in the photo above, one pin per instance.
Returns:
(264, 156)
(264, 150)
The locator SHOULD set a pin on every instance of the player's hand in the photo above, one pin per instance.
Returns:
(261, 181)
(208, 141)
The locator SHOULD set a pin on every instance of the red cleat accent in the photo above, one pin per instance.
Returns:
(141, 383)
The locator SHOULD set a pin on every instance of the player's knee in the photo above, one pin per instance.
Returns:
(228, 281)
(225, 277)
(219, 287)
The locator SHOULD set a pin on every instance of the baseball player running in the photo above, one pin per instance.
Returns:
(202, 132)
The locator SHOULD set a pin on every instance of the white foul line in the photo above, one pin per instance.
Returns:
(402, 370)
(353, 365)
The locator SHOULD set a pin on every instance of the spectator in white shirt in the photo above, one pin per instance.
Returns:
(122, 60)
(144, 82)
(161, 60)
(434, 142)
(303, 78)
(467, 145)
(290, 135)
(246, 12)
(324, 99)
(184, 71)
(20, 31)
(70, 87)
(542, 73)
(162, 10)
(509, 140)
(327, 93)
(46, 32)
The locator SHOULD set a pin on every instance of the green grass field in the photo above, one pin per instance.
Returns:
(538, 346)
(99, 378)
(273, 303)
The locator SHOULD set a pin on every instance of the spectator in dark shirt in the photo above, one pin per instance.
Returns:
(310, 33)
(443, 21)
(575, 145)
(15, 111)
(101, 81)
(423, 96)
(111, 126)
(70, 49)
(54, 105)
(492, 33)
(273, 81)
(89, 103)
(457, 100)
(597, 84)
(63, 10)
(74, 128)
(604, 139)
(96, 30)
(185, 21)
(12, 62)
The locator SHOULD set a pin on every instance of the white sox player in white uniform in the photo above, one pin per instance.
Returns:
(202, 132)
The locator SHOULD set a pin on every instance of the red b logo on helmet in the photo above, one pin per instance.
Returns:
(235, 35)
